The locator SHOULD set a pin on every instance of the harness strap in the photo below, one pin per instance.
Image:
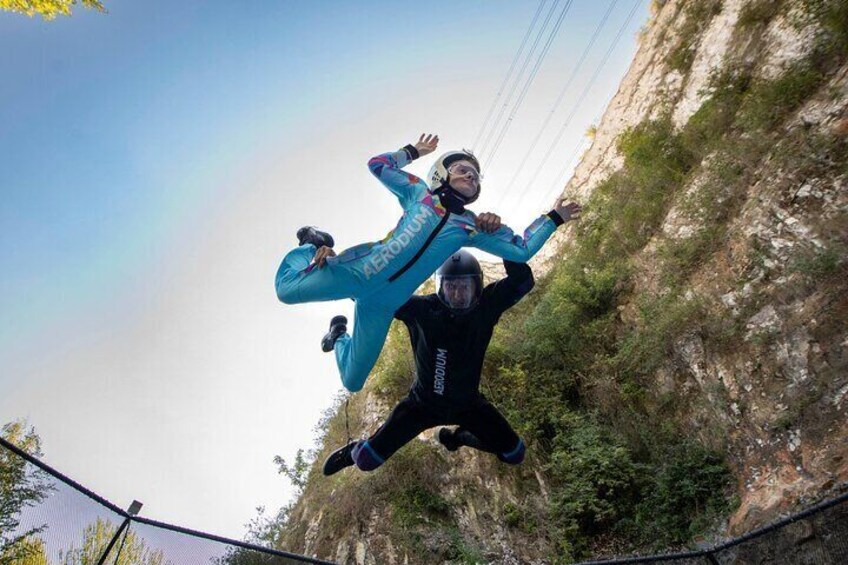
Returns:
(424, 247)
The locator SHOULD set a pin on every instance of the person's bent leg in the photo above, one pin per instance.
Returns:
(406, 421)
(484, 428)
(298, 280)
(356, 354)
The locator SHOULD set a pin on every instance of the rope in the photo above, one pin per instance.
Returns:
(347, 420)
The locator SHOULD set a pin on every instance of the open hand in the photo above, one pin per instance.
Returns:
(427, 143)
(321, 255)
(488, 222)
(570, 211)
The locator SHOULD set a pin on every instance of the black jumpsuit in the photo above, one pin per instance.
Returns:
(449, 350)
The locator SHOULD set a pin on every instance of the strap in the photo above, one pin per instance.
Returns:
(424, 247)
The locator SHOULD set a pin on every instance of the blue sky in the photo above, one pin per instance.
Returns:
(155, 162)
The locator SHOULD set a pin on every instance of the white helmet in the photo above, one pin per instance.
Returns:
(438, 176)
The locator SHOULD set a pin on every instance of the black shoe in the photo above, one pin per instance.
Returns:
(313, 235)
(339, 459)
(448, 439)
(338, 326)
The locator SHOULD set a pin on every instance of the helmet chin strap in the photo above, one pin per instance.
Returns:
(451, 199)
(461, 197)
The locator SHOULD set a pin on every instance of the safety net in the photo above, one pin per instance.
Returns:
(47, 518)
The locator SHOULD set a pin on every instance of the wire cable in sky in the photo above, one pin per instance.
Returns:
(579, 101)
(514, 86)
(549, 194)
(556, 105)
(529, 81)
(509, 73)
(552, 193)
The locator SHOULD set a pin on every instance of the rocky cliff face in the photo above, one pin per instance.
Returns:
(779, 393)
(756, 237)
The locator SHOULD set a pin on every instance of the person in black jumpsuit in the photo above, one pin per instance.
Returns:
(450, 332)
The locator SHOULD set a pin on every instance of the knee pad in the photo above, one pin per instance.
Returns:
(365, 457)
(514, 457)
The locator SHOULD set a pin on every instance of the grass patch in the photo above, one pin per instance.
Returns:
(817, 265)
(691, 488)
(460, 550)
(660, 502)
(395, 369)
(759, 12)
(409, 484)
(698, 16)
(662, 320)
(832, 17)
(681, 257)
(769, 102)
(416, 504)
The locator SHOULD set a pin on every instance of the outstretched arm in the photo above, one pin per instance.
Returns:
(388, 168)
(506, 244)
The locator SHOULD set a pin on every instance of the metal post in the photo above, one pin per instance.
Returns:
(121, 547)
(102, 559)
(132, 511)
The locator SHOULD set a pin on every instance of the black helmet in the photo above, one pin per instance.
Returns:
(460, 267)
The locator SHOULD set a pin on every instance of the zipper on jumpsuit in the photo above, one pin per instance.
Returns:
(424, 247)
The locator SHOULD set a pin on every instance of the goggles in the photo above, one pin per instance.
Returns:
(461, 170)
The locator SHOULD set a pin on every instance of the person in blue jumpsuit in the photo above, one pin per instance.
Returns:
(380, 276)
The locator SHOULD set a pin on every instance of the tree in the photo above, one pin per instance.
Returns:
(240, 556)
(297, 472)
(21, 486)
(96, 537)
(47, 9)
(34, 552)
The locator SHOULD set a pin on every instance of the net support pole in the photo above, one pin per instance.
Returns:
(132, 511)
(109, 547)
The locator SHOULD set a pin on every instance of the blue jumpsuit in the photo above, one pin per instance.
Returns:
(381, 276)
